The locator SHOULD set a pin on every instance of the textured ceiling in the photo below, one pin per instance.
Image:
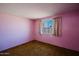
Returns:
(36, 10)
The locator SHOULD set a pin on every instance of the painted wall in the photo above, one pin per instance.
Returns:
(14, 31)
(70, 32)
(33, 28)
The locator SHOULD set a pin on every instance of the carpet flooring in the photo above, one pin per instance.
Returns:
(36, 48)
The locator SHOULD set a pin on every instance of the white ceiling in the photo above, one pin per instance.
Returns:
(36, 10)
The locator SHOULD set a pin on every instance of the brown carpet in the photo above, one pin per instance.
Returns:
(36, 48)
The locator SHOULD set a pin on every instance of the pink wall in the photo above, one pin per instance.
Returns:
(14, 31)
(33, 29)
(70, 32)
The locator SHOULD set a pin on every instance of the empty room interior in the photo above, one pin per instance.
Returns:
(39, 29)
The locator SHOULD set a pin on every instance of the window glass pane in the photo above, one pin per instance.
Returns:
(47, 26)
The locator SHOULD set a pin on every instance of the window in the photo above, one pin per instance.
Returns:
(50, 26)
(47, 26)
